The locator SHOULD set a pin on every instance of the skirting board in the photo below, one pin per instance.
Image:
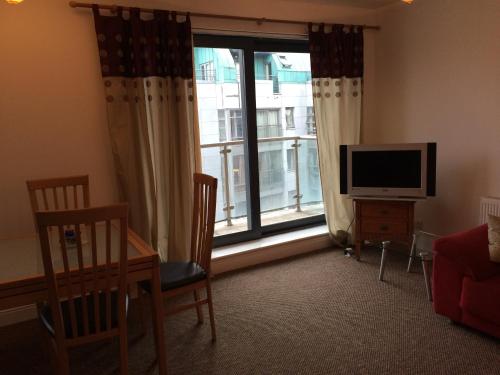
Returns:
(219, 265)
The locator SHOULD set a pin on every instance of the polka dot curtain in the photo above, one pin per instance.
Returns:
(337, 78)
(147, 70)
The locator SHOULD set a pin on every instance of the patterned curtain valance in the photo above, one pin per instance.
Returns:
(338, 53)
(135, 47)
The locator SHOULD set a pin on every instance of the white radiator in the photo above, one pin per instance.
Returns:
(488, 206)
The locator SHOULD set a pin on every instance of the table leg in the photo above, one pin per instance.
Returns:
(158, 316)
(426, 266)
(382, 260)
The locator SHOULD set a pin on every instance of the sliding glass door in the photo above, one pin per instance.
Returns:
(258, 135)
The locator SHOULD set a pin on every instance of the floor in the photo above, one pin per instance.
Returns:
(321, 313)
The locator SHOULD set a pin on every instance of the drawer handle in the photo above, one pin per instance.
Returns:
(384, 227)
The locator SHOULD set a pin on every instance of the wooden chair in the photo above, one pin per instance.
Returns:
(60, 193)
(87, 297)
(184, 277)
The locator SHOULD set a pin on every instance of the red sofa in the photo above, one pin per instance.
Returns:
(465, 283)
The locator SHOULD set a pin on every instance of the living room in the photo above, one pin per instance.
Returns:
(431, 74)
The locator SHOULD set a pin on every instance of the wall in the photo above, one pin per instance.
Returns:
(438, 79)
(52, 108)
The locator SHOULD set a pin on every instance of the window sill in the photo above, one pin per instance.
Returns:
(231, 257)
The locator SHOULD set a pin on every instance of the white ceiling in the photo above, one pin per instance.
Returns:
(368, 4)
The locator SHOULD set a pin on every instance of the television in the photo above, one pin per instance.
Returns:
(405, 170)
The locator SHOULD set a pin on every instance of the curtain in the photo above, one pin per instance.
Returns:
(337, 72)
(147, 70)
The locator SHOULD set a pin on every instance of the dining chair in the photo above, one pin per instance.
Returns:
(92, 306)
(60, 193)
(194, 275)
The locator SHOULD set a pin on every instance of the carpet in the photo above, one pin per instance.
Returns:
(321, 313)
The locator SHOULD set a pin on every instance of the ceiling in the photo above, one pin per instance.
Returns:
(368, 4)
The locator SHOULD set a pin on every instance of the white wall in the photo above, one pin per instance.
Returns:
(52, 108)
(438, 79)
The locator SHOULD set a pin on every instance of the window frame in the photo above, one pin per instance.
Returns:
(249, 46)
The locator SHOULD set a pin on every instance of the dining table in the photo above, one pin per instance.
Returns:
(22, 279)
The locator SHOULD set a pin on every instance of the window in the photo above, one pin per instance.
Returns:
(290, 124)
(262, 86)
(207, 71)
(221, 114)
(268, 71)
(235, 122)
(310, 121)
(268, 123)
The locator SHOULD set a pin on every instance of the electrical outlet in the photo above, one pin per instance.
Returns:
(419, 225)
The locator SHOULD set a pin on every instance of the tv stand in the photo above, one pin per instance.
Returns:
(383, 220)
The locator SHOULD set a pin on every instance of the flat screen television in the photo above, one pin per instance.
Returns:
(405, 170)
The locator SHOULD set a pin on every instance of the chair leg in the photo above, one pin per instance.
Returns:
(199, 311)
(426, 266)
(211, 309)
(412, 252)
(123, 353)
(63, 361)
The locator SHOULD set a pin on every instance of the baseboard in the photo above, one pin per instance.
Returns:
(17, 315)
(219, 265)
(270, 253)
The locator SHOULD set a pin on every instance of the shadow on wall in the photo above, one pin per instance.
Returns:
(463, 182)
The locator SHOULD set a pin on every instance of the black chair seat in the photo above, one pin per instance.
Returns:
(176, 274)
(48, 322)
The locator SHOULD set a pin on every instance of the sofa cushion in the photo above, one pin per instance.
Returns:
(482, 298)
(494, 237)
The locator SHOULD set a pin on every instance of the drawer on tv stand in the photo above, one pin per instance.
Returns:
(384, 227)
(384, 210)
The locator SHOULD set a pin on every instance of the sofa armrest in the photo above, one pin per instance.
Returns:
(469, 252)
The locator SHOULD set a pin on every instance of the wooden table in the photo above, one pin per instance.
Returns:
(22, 280)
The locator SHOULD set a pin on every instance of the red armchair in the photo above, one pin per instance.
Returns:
(466, 284)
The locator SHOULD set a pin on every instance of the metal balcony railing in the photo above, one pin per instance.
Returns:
(225, 150)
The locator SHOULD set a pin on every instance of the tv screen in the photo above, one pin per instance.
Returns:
(387, 169)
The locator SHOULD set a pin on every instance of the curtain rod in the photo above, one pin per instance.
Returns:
(260, 21)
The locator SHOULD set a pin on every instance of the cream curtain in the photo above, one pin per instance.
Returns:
(337, 106)
(148, 81)
(337, 70)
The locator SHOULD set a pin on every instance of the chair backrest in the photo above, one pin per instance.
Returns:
(202, 230)
(76, 269)
(60, 193)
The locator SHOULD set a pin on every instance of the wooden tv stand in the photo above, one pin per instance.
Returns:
(383, 220)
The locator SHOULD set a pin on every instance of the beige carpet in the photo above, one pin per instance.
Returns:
(316, 314)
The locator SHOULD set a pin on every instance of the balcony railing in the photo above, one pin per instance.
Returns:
(265, 175)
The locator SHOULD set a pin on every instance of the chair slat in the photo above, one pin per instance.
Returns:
(75, 196)
(83, 289)
(97, 315)
(45, 201)
(56, 201)
(65, 194)
(69, 281)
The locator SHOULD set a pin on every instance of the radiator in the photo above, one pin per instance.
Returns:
(488, 206)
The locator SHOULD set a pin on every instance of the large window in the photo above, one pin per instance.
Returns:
(256, 123)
